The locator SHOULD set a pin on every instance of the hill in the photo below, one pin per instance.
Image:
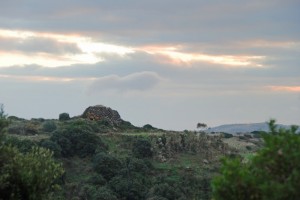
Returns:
(105, 157)
(243, 128)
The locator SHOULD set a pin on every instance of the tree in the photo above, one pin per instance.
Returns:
(201, 126)
(64, 117)
(3, 120)
(27, 176)
(272, 173)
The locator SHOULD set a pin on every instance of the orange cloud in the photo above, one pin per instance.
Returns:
(285, 88)
(178, 58)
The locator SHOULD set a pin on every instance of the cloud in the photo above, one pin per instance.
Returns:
(37, 45)
(285, 88)
(52, 49)
(175, 21)
(140, 81)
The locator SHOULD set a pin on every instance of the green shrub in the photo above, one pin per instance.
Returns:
(227, 135)
(64, 117)
(53, 146)
(97, 179)
(49, 126)
(77, 140)
(104, 193)
(106, 165)
(128, 187)
(273, 173)
(142, 148)
(24, 146)
(27, 176)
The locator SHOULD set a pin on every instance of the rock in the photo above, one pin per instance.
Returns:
(205, 161)
(100, 112)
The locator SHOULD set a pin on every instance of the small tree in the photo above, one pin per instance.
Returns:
(273, 173)
(27, 176)
(3, 120)
(201, 126)
(64, 116)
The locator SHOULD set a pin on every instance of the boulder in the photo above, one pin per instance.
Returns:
(100, 112)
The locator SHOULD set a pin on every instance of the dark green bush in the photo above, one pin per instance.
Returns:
(64, 117)
(104, 193)
(23, 146)
(49, 126)
(53, 146)
(77, 140)
(142, 148)
(97, 179)
(227, 135)
(128, 187)
(165, 191)
(106, 165)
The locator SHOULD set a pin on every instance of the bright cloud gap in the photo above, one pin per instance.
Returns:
(92, 52)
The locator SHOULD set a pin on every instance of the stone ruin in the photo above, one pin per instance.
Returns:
(100, 112)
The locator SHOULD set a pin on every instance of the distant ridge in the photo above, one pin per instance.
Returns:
(243, 128)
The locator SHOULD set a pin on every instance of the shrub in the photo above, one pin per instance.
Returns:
(24, 146)
(142, 148)
(64, 117)
(106, 165)
(77, 143)
(52, 146)
(27, 176)
(227, 135)
(49, 126)
(128, 187)
(273, 173)
(104, 193)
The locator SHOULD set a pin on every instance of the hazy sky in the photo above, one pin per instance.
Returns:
(169, 63)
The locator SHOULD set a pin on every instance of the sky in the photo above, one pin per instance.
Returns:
(168, 63)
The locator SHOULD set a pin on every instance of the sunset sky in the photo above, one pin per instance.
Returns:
(169, 63)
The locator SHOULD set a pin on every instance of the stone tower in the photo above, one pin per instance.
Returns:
(100, 112)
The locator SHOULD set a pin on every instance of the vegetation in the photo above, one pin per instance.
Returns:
(64, 116)
(101, 160)
(30, 174)
(273, 173)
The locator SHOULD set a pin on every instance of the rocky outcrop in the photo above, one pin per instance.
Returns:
(100, 112)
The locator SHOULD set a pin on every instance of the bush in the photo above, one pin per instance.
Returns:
(227, 135)
(273, 173)
(104, 193)
(142, 148)
(52, 146)
(77, 139)
(64, 117)
(128, 187)
(106, 165)
(27, 176)
(49, 126)
(24, 146)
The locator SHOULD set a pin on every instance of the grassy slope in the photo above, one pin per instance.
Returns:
(79, 170)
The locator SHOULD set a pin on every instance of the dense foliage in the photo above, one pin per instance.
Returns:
(273, 173)
(26, 171)
(104, 161)
(76, 139)
(27, 176)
